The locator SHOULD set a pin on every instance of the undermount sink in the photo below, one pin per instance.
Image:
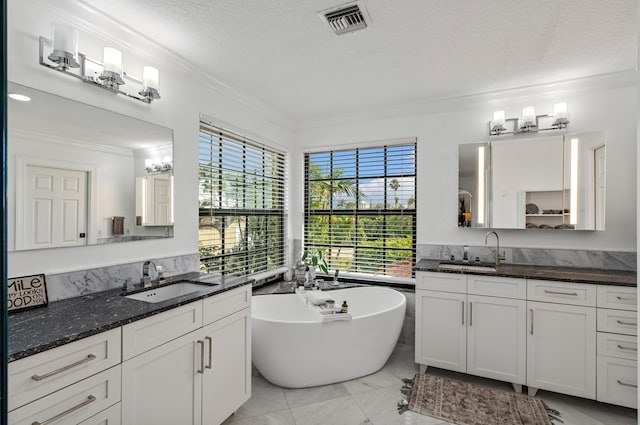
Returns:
(469, 267)
(168, 292)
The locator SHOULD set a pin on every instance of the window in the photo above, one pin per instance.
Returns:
(242, 204)
(360, 209)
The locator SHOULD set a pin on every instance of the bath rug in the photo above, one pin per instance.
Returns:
(469, 404)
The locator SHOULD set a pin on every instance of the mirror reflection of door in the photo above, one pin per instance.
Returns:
(55, 208)
(599, 173)
(162, 201)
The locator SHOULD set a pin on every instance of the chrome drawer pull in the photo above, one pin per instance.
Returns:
(625, 298)
(89, 400)
(208, 338)
(470, 314)
(462, 312)
(620, 322)
(622, 347)
(201, 370)
(63, 368)
(573, 294)
(627, 384)
(531, 310)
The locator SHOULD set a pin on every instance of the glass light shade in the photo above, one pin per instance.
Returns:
(498, 119)
(112, 60)
(528, 115)
(150, 78)
(65, 40)
(560, 111)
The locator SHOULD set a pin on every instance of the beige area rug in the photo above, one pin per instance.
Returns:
(468, 404)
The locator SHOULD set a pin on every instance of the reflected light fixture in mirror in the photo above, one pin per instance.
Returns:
(109, 74)
(481, 185)
(573, 197)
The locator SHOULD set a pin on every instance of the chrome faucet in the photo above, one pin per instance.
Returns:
(146, 279)
(335, 278)
(498, 255)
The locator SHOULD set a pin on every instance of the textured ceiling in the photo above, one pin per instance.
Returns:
(282, 53)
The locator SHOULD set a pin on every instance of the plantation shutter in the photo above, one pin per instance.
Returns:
(360, 209)
(242, 217)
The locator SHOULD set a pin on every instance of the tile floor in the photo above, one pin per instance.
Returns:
(371, 400)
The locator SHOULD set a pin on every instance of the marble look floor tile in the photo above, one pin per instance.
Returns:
(265, 398)
(380, 406)
(303, 396)
(282, 417)
(380, 379)
(579, 411)
(401, 362)
(341, 411)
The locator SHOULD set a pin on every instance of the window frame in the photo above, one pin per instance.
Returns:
(214, 135)
(357, 212)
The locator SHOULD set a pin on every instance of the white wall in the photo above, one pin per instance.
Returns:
(186, 92)
(607, 104)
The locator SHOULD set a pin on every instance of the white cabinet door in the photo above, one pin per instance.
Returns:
(227, 377)
(561, 348)
(441, 330)
(496, 338)
(164, 385)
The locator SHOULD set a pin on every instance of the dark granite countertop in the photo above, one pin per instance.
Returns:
(68, 320)
(566, 274)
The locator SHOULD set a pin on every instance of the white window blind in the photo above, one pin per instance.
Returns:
(360, 209)
(242, 204)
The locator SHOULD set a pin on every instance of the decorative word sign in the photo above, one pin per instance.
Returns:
(27, 292)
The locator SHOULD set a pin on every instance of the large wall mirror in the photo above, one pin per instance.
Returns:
(81, 175)
(555, 182)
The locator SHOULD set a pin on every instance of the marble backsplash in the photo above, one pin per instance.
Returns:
(608, 260)
(83, 282)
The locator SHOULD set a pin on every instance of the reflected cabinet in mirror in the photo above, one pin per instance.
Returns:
(81, 175)
(555, 182)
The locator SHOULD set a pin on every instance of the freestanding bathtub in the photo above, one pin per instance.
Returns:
(292, 347)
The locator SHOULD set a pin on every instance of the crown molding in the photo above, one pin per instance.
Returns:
(457, 101)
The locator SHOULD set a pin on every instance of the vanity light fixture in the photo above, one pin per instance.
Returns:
(529, 122)
(65, 46)
(481, 185)
(61, 54)
(573, 184)
(112, 68)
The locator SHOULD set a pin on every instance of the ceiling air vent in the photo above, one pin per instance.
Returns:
(346, 19)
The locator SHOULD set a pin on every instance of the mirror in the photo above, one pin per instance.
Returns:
(75, 173)
(554, 182)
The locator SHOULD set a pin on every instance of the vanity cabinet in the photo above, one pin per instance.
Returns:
(462, 319)
(617, 346)
(73, 382)
(197, 370)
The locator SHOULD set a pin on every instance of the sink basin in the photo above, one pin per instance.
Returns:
(469, 267)
(168, 292)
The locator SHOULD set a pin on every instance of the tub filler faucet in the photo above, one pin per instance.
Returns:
(335, 278)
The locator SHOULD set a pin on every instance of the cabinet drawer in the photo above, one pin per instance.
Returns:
(218, 306)
(446, 282)
(562, 292)
(617, 381)
(619, 297)
(145, 334)
(74, 403)
(44, 373)
(620, 346)
(617, 321)
(111, 416)
(493, 286)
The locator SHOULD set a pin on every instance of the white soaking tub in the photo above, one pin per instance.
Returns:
(292, 347)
